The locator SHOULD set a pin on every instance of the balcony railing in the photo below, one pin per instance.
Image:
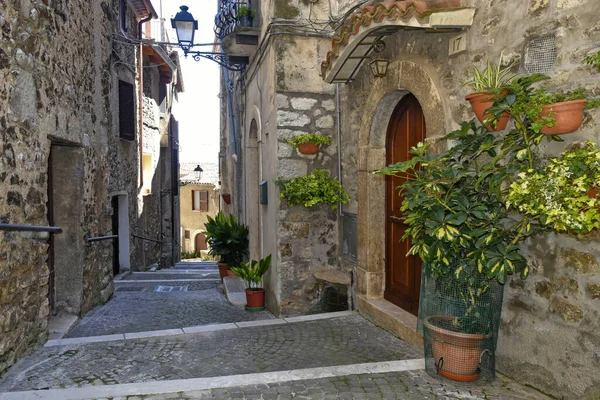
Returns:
(227, 18)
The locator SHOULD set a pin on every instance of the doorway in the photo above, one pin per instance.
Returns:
(402, 272)
(200, 242)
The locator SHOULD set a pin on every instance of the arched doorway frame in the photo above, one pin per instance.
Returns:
(403, 77)
(252, 176)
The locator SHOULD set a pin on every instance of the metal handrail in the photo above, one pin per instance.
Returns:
(30, 228)
(148, 239)
(98, 238)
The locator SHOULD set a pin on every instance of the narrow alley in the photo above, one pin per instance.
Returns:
(172, 334)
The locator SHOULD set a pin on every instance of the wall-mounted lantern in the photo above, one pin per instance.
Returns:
(379, 65)
(198, 173)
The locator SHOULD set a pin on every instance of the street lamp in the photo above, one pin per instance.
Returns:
(198, 173)
(184, 25)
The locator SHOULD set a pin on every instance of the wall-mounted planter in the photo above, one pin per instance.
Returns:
(481, 102)
(568, 116)
(308, 148)
(226, 198)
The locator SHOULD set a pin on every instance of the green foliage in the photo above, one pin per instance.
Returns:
(593, 60)
(491, 77)
(314, 138)
(453, 205)
(193, 254)
(227, 238)
(245, 11)
(252, 272)
(556, 194)
(316, 187)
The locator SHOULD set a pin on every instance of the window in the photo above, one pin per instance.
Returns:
(147, 173)
(200, 200)
(123, 15)
(186, 234)
(126, 111)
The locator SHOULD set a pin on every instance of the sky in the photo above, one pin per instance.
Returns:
(198, 108)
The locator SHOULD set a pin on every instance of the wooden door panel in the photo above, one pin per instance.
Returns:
(403, 273)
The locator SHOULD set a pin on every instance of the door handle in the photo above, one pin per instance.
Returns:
(399, 219)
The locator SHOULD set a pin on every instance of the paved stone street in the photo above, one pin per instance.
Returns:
(136, 307)
(332, 356)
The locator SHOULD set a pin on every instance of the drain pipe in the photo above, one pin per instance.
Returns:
(339, 140)
(230, 106)
(141, 95)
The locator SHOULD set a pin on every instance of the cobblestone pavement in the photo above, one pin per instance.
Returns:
(145, 276)
(132, 310)
(410, 385)
(338, 341)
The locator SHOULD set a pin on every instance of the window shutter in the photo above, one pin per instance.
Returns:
(187, 234)
(196, 200)
(204, 200)
(126, 111)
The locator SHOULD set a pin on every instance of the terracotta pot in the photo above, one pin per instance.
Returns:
(222, 270)
(568, 116)
(255, 298)
(308, 148)
(456, 354)
(481, 102)
(231, 273)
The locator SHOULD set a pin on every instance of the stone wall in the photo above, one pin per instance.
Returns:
(307, 238)
(59, 71)
(549, 334)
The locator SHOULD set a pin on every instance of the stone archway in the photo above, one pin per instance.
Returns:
(403, 78)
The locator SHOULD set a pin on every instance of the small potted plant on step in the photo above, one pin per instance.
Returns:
(252, 272)
(309, 143)
(493, 76)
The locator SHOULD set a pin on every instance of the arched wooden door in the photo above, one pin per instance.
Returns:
(200, 240)
(402, 272)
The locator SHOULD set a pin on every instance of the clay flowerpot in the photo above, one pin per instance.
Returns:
(222, 270)
(481, 102)
(308, 148)
(456, 354)
(230, 273)
(568, 116)
(255, 299)
(592, 193)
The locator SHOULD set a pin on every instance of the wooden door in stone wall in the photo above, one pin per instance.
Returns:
(200, 242)
(402, 272)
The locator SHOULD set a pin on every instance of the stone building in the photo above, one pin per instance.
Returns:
(85, 147)
(199, 199)
(307, 72)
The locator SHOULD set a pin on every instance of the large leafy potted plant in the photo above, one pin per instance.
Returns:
(252, 272)
(493, 76)
(227, 239)
(309, 143)
(461, 210)
(313, 188)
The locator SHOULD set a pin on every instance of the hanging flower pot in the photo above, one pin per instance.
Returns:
(482, 101)
(308, 148)
(568, 116)
(456, 354)
(255, 299)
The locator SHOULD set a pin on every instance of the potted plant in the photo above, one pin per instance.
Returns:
(313, 188)
(252, 272)
(460, 210)
(309, 143)
(245, 15)
(493, 76)
(227, 239)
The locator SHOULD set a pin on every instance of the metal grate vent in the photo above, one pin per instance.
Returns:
(540, 55)
(130, 289)
(161, 288)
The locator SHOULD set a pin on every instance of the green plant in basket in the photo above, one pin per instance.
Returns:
(313, 137)
(313, 188)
